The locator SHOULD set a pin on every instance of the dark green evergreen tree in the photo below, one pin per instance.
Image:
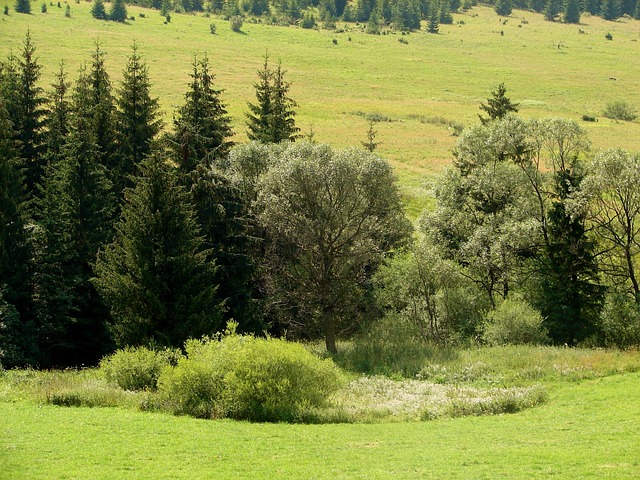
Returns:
(610, 9)
(202, 125)
(592, 6)
(365, 7)
(434, 23)
(636, 12)
(498, 106)
(118, 11)
(271, 118)
(98, 11)
(17, 332)
(155, 275)
(137, 119)
(571, 295)
(406, 15)
(26, 104)
(57, 120)
(445, 13)
(572, 11)
(74, 217)
(23, 6)
(503, 7)
(552, 9)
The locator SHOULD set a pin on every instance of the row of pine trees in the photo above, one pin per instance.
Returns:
(97, 201)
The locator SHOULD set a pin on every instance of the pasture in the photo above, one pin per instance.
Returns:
(417, 89)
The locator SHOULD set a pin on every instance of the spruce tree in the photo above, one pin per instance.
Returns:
(155, 275)
(17, 333)
(498, 106)
(271, 119)
(202, 125)
(445, 13)
(552, 9)
(503, 7)
(572, 11)
(57, 120)
(98, 11)
(23, 6)
(137, 119)
(118, 11)
(74, 216)
(610, 9)
(434, 24)
(102, 115)
(26, 104)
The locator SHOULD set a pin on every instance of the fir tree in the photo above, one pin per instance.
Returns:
(434, 24)
(118, 11)
(498, 106)
(572, 11)
(23, 6)
(503, 7)
(155, 275)
(271, 119)
(202, 125)
(552, 9)
(75, 220)
(17, 344)
(137, 119)
(98, 11)
(445, 13)
(57, 120)
(610, 9)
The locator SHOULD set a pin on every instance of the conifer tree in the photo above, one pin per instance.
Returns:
(434, 24)
(503, 7)
(572, 11)
(74, 216)
(445, 13)
(552, 9)
(610, 9)
(23, 6)
(202, 125)
(118, 11)
(16, 328)
(26, 106)
(98, 10)
(155, 275)
(137, 119)
(57, 120)
(498, 106)
(271, 118)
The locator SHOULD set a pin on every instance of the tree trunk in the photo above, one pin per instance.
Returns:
(329, 331)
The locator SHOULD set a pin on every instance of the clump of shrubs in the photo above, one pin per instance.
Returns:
(137, 368)
(236, 23)
(514, 322)
(247, 378)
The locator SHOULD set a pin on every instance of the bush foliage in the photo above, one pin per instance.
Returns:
(514, 322)
(137, 368)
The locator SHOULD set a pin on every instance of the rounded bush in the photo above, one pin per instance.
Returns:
(620, 321)
(137, 368)
(247, 378)
(514, 322)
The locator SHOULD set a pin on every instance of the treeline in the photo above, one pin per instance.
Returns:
(403, 14)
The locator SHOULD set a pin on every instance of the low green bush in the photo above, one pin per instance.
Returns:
(620, 321)
(247, 378)
(137, 368)
(514, 322)
(620, 110)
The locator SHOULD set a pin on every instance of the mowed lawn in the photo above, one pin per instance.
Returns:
(587, 429)
(551, 69)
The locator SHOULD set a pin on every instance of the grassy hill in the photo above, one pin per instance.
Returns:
(419, 87)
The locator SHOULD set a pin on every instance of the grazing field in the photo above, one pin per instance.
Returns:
(587, 429)
(419, 88)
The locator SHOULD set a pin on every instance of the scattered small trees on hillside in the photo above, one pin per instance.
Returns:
(98, 10)
(498, 106)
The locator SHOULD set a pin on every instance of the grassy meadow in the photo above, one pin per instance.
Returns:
(586, 428)
(550, 69)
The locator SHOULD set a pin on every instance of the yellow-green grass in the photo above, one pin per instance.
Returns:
(551, 69)
(586, 430)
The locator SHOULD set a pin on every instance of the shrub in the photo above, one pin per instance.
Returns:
(43, 8)
(137, 368)
(608, 36)
(212, 28)
(620, 110)
(514, 321)
(6, 9)
(308, 21)
(236, 23)
(247, 378)
(620, 321)
(589, 118)
(67, 11)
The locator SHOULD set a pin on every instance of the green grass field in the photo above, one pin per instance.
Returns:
(587, 429)
(550, 69)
